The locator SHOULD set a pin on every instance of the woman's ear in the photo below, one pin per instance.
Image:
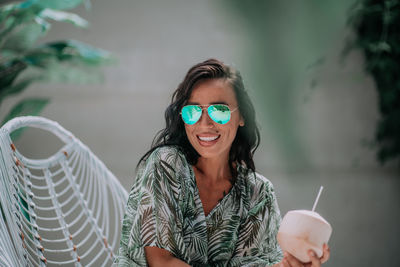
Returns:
(241, 121)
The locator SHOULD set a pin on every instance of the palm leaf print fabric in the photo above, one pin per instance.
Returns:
(164, 210)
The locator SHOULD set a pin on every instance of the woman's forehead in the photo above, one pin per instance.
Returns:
(213, 91)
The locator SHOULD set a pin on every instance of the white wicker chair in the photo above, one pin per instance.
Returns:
(64, 210)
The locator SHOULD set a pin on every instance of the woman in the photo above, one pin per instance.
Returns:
(197, 200)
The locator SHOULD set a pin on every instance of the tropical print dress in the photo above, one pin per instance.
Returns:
(164, 210)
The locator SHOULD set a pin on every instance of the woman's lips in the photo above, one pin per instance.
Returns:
(208, 140)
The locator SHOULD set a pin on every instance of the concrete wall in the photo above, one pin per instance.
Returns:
(157, 41)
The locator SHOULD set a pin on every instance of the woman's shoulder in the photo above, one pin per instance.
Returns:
(165, 165)
(166, 153)
(261, 180)
(254, 179)
(256, 186)
(169, 155)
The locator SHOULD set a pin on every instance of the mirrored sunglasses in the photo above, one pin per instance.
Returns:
(219, 113)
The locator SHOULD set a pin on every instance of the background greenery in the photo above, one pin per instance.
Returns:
(304, 30)
(24, 60)
(376, 25)
(290, 40)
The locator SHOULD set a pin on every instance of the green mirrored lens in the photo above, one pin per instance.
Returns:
(219, 113)
(191, 114)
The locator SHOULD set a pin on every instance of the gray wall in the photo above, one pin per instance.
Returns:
(157, 41)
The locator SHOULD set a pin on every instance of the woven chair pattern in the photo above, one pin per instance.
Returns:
(65, 210)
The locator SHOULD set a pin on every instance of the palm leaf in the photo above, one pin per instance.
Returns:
(59, 4)
(16, 88)
(86, 53)
(169, 173)
(9, 72)
(14, 16)
(148, 226)
(23, 37)
(63, 16)
(67, 50)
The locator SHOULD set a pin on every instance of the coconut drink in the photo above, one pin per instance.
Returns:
(301, 230)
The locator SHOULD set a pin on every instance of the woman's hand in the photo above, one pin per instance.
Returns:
(290, 261)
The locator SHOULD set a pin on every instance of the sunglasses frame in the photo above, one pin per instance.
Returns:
(206, 107)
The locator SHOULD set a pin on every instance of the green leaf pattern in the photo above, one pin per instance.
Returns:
(164, 210)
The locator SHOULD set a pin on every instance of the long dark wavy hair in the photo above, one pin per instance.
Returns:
(247, 137)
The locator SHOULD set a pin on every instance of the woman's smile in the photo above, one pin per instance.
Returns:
(208, 139)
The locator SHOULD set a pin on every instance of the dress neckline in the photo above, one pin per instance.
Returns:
(224, 199)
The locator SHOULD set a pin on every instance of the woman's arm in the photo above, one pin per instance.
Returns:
(153, 217)
(160, 257)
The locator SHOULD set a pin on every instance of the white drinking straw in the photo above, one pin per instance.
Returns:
(316, 200)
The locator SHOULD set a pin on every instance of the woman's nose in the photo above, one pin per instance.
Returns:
(205, 120)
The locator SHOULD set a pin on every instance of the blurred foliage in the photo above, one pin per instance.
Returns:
(376, 24)
(23, 61)
(287, 40)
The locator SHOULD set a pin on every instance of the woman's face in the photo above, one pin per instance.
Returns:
(207, 137)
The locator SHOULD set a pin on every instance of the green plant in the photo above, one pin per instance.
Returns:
(376, 25)
(23, 61)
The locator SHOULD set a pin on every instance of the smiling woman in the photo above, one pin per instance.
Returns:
(197, 199)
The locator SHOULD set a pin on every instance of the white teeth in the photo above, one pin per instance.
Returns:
(208, 138)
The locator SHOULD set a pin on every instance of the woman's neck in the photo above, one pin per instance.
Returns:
(214, 169)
